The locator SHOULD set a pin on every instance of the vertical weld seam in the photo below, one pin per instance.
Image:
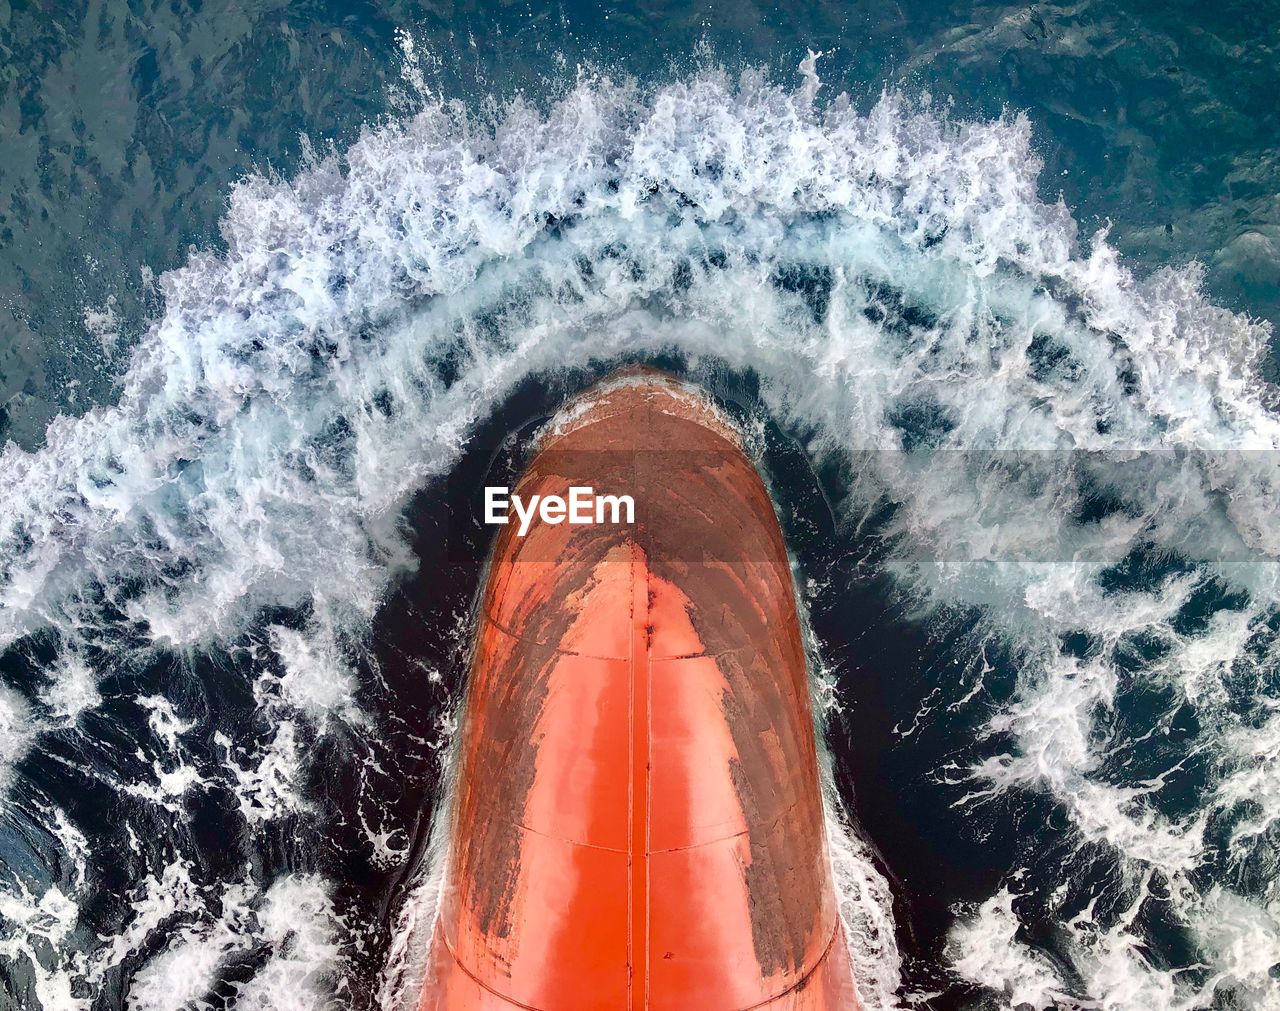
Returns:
(639, 788)
(648, 775)
(631, 792)
(639, 729)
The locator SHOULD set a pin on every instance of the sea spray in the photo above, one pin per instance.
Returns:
(1028, 426)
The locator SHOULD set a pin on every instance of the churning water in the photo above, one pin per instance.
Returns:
(1031, 495)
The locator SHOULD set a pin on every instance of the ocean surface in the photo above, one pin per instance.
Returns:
(990, 288)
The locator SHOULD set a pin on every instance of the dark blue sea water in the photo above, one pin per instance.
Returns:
(991, 288)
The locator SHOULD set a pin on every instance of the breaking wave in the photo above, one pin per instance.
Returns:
(1082, 458)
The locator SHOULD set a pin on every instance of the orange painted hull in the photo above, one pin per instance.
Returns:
(637, 820)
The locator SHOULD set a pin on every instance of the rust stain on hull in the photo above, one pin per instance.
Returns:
(637, 818)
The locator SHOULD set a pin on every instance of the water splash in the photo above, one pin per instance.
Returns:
(1041, 424)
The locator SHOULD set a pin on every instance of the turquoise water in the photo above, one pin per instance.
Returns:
(990, 288)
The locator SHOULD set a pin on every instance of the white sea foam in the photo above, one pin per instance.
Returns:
(304, 935)
(29, 928)
(988, 951)
(316, 679)
(866, 912)
(402, 978)
(72, 689)
(369, 312)
(293, 923)
(271, 784)
(16, 732)
(37, 921)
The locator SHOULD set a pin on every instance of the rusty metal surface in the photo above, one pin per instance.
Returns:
(637, 815)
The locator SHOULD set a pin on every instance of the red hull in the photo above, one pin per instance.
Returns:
(637, 818)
